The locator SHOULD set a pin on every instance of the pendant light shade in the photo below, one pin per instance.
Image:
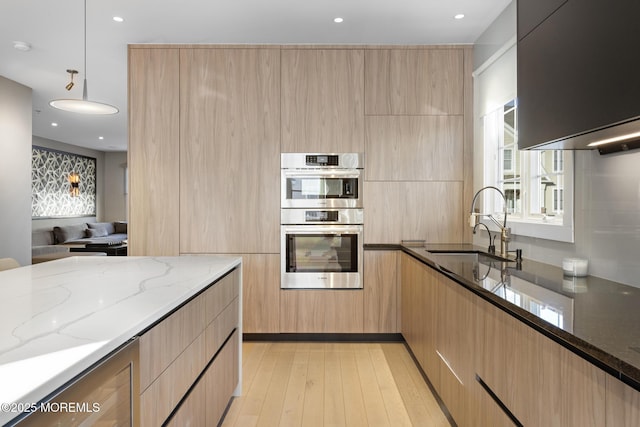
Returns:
(84, 106)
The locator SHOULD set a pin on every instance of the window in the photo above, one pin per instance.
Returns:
(537, 184)
(558, 201)
(558, 161)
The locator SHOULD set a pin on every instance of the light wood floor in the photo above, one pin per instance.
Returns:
(332, 384)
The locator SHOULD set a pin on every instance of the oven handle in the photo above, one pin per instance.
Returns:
(319, 173)
(315, 229)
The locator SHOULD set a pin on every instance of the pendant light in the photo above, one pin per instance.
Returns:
(84, 106)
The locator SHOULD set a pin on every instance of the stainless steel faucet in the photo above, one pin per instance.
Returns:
(505, 232)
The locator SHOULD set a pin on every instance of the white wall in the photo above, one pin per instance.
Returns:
(606, 188)
(15, 171)
(115, 193)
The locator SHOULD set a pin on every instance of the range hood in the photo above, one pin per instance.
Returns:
(578, 75)
(618, 137)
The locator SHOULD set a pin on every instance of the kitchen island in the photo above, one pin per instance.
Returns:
(61, 318)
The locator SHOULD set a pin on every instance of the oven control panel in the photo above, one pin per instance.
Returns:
(321, 160)
(321, 216)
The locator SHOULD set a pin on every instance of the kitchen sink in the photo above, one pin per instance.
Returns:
(468, 256)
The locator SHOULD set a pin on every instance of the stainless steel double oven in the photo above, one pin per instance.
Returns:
(321, 221)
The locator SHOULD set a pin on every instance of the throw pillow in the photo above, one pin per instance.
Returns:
(68, 233)
(105, 225)
(97, 232)
(121, 227)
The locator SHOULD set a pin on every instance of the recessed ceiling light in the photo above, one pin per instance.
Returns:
(118, 18)
(23, 46)
(54, 124)
(459, 16)
(101, 138)
(338, 20)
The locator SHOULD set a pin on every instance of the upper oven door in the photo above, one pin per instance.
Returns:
(321, 188)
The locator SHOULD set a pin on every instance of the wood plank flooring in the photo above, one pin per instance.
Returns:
(331, 384)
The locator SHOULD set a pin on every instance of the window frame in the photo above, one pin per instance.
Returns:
(545, 225)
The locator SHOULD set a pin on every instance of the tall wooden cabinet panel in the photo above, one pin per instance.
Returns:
(414, 81)
(414, 148)
(412, 210)
(321, 311)
(322, 100)
(229, 150)
(261, 293)
(381, 292)
(153, 155)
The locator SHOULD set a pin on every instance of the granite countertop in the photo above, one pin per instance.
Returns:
(595, 318)
(59, 318)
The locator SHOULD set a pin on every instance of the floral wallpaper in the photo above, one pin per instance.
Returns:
(51, 195)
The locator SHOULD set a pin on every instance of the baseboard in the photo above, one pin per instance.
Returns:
(320, 337)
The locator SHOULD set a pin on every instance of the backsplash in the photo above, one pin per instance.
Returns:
(607, 219)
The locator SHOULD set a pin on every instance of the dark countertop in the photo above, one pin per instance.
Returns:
(595, 318)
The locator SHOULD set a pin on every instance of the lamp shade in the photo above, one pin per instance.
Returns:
(83, 107)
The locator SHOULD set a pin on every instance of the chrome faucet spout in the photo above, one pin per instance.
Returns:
(505, 233)
(492, 247)
(504, 198)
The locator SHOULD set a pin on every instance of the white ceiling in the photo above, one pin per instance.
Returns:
(54, 28)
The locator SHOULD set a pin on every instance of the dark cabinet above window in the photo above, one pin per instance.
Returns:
(578, 73)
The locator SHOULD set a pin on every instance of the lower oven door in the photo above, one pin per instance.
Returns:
(321, 257)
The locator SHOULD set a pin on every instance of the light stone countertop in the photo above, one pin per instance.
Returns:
(59, 318)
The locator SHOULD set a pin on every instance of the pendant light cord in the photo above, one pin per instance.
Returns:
(84, 86)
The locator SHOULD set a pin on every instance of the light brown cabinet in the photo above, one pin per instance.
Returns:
(229, 150)
(176, 352)
(540, 381)
(414, 81)
(459, 336)
(153, 155)
(322, 100)
(321, 311)
(418, 308)
(456, 354)
(623, 404)
(381, 291)
(261, 293)
(412, 210)
(414, 148)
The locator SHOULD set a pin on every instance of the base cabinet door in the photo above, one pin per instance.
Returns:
(455, 349)
(221, 379)
(538, 380)
(321, 311)
(623, 404)
(418, 307)
(381, 292)
(261, 293)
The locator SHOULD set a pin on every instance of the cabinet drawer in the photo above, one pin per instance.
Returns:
(221, 380)
(160, 346)
(192, 412)
(218, 297)
(221, 327)
(159, 399)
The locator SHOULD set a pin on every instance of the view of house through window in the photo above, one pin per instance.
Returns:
(537, 184)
